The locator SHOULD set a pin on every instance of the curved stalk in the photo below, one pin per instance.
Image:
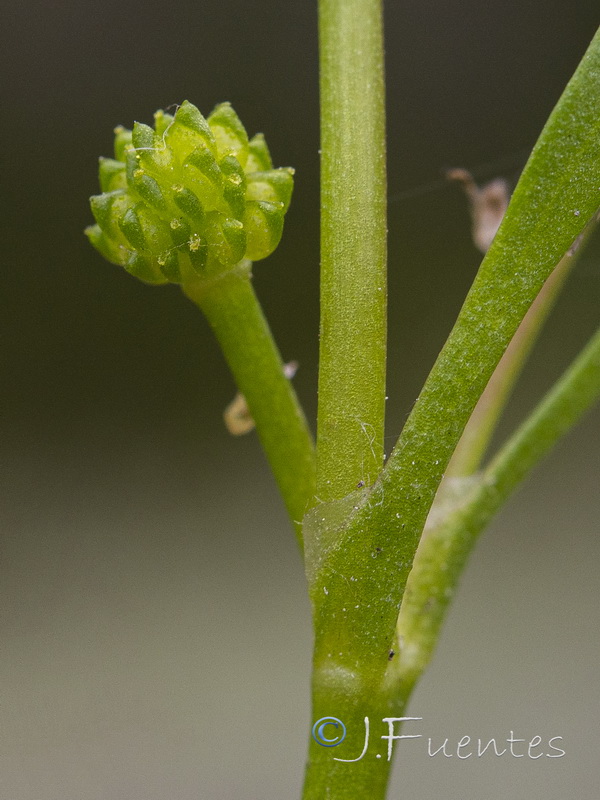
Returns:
(235, 315)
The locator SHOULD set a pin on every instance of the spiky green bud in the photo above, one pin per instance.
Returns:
(189, 198)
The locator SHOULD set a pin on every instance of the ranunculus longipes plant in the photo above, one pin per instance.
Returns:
(194, 201)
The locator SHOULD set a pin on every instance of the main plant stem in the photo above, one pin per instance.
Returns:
(353, 247)
(352, 359)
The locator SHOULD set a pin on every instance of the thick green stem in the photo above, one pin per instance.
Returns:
(445, 546)
(353, 247)
(235, 315)
(359, 766)
(375, 541)
(351, 412)
(360, 549)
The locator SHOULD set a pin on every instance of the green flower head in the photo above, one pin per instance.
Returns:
(189, 198)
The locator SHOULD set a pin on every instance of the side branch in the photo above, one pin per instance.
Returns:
(446, 546)
(235, 315)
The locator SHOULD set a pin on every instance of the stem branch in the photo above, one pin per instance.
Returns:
(445, 547)
(483, 421)
(235, 315)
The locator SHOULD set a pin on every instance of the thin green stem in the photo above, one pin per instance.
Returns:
(445, 546)
(235, 315)
(480, 428)
(353, 247)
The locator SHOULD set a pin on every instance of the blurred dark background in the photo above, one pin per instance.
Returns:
(155, 630)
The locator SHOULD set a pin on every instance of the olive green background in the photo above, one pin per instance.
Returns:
(155, 629)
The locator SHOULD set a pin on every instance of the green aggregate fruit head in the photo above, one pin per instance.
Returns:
(189, 198)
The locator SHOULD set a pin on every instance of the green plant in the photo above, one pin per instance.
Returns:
(194, 202)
